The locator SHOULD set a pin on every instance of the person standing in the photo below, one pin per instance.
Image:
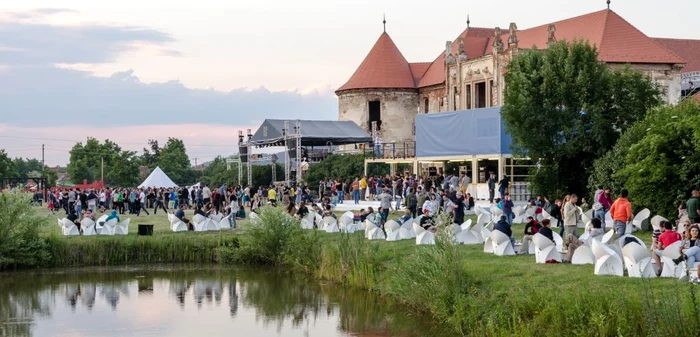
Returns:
(363, 188)
(621, 211)
(356, 191)
(508, 208)
(411, 202)
(503, 186)
(206, 194)
(693, 207)
(492, 187)
(385, 203)
(571, 214)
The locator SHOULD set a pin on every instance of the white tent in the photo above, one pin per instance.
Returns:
(157, 178)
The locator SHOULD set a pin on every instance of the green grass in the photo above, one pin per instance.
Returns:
(472, 292)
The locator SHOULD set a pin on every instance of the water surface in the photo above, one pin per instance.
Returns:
(186, 301)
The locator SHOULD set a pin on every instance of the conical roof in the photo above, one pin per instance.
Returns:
(384, 67)
(157, 179)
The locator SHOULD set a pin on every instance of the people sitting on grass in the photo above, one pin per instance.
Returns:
(532, 227)
(504, 227)
(180, 214)
(546, 229)
(572, 242)
(72, 217)
(240, 215)
(469, 202)
(431, 205)
(691, 247)
(362, 215)
(370, 216)
(303, 211)
(668, 237)
(88, 214)
(198, 210)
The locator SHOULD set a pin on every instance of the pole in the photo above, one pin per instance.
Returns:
(43, 164)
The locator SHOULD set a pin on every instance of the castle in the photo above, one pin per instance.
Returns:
(469, 74)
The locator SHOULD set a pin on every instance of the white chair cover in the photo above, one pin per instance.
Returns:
(607, 261)
(254, 217)
(483, 219)
(224, 223)
(583, 255)
(216, 217)
(423, 237)
(470, 235)
(488, 242)
(609, 222)
(638, 261)
(656, 221)
(122, 228)
(88, 226)
(330, 225)
(69, 228)
(545, 249)
(518, 213)
(392, 229)
(637, 221)
(406, 230)
(608, 237)
(501, 244)
(178, 226)
(670, 269)
(308, 221)
(108, 228)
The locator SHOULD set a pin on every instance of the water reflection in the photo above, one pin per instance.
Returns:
(187, 301)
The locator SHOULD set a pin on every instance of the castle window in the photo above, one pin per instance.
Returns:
(426, 105)
(480, 95)
(468, 92)
(375, 114)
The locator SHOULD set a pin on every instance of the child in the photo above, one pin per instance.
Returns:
(50, 204)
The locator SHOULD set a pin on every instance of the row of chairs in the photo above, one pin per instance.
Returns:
(201, 223)
(99, 227)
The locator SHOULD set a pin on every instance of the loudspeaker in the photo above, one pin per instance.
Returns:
(291, 148)
(145, 229)
(243, 153)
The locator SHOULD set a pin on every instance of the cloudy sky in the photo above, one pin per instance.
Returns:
(133, 70)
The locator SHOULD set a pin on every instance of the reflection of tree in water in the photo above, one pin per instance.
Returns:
(276, 298)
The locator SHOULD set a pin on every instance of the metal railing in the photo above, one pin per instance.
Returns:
(397, 150)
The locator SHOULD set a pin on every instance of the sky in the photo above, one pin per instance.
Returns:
(200, 71)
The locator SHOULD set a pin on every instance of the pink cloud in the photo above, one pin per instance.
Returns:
(203, 141)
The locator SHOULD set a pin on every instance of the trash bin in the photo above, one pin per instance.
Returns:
(145, 229)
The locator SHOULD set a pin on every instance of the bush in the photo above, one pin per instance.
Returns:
(20, 244)
(277, 239)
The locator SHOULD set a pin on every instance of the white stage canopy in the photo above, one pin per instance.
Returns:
(158, 179)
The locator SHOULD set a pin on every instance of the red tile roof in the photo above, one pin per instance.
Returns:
(418, 69)
(476, 42)
(687, 49)
(383, 67)
(616, 39)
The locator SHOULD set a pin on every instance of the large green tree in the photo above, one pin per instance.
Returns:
(173, 160)
(7, 166)
(120, 167)
(345, 166)
(564, 109)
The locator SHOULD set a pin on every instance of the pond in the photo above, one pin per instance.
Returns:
(194, 301)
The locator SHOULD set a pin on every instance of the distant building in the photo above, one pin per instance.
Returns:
(469, 74)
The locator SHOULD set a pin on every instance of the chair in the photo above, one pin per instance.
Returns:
(122, 228)
(198, 221)
(545, 249)
(423, 237)
(349, 214)
(376, 233)
(178, 226)
(488, 242)
(88, 226)
(608, 237)
(308, 221)
(369, 225)
(330, 224)
(558, 241)
(518, 213)
(216, 217)
(496, 212)
(638, 261)
(621, 241)
(224, 223)
(585, 221)
(452, 231)
(254, 217)
(583, 255)
(470, 235)
(607, 262)
(392, 229)
(101, 220)
(69, 228)
(107, 228)
(211, 225)
(501, 244)
(637, 221)
(670, 269)
(483, 219)
(656, 221)
(681, 225)
(406, 230)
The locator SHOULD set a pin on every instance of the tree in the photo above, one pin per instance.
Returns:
(662, 165)
(343, 167)
(7, 166)
(564, 109)
(173, 160)
(150, 157)
(120, 167)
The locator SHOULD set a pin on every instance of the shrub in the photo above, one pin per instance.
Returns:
(20, 244)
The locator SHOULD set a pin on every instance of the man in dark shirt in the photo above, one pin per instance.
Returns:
(504, 227)
(303, 211)
(459, 208)
(546, 229)
(180, 214)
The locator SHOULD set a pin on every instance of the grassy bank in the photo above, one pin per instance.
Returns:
(463, 288)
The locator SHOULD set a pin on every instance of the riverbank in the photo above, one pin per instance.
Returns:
(471, 292)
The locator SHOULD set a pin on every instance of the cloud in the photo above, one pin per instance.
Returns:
(171, 53)
(52, 96)
(26, 38)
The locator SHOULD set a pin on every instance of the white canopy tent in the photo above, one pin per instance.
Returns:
(157, 178)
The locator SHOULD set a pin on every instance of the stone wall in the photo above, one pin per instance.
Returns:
(666, 75)
(398, 109)
(435, 96)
